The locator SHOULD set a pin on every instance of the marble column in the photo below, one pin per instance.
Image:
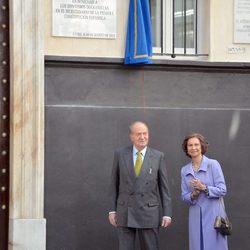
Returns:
(27, 226)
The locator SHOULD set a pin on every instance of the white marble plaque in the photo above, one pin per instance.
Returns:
(84, 18)
(242, 21)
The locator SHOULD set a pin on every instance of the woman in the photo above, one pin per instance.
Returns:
(202, 184)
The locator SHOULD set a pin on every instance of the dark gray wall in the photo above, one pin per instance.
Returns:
(89, 107)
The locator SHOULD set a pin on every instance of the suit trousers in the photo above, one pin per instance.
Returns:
(148, 238)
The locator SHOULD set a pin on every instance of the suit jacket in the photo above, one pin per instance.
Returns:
(138, 201)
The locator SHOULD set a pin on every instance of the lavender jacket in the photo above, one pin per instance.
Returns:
(202, 211)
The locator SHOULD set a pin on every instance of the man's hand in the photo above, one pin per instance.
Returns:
(113, 219)
(166, 222)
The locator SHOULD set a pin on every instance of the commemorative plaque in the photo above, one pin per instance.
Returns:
(84, 18)
(242, 21)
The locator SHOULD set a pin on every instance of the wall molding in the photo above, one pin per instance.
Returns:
(179, 65)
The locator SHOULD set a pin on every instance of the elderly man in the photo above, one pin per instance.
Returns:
(139, 187)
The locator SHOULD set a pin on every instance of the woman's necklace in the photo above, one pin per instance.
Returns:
(196, 162)
(196, 166)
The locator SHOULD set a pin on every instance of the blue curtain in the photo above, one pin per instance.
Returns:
(139, 35)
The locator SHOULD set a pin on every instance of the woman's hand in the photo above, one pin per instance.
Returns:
(197, 185)
(195, 194)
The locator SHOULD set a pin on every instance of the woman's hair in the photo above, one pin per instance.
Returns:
(201, 138)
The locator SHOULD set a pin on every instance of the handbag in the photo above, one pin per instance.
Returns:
(223, 225)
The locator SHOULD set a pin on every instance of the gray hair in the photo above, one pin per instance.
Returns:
(134, 123)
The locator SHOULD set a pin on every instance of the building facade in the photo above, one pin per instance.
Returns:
(72, 97)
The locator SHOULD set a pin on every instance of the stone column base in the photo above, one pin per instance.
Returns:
(27, 234)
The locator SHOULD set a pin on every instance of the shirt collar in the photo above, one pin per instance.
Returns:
(203, 166)
(143, 152)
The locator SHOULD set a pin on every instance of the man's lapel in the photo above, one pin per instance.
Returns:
(145, 170)
(146, 165)
(130, 163)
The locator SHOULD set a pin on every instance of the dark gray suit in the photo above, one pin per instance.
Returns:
(137, 200)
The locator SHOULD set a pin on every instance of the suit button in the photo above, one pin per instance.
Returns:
(142, 195)
(131, 193)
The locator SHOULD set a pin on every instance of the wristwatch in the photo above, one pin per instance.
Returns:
(206, 191)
